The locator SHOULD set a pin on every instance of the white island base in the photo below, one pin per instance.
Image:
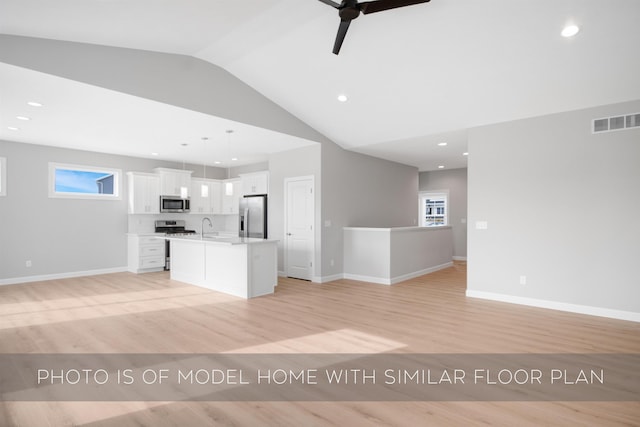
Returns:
(245, 268)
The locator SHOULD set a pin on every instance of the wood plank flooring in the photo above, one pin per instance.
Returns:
(127, 313)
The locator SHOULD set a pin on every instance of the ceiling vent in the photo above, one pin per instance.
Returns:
(610, 124)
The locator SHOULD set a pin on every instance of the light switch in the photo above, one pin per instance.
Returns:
(481, 225)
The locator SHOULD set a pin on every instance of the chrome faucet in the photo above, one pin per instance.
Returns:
(210, 225)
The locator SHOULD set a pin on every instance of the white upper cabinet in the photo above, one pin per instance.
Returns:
(255, 183)
(174, 182)
(206, 196)
(143, 193)
(231, 189)
(216, 199)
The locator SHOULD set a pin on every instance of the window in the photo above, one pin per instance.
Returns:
(83, 182)
(434, 210)
(3, 176)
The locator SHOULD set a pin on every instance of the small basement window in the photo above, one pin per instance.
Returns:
(84, 182)
(434, 210)
(3, 176)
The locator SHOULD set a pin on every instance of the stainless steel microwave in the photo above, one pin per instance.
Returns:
(174, 204)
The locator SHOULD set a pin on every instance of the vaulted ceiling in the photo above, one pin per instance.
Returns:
(414, 77)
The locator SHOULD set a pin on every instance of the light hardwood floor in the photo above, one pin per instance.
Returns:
(126, 313)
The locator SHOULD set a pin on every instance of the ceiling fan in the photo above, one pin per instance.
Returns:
(350, 10)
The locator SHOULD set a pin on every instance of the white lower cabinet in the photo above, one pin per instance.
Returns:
(145, 253)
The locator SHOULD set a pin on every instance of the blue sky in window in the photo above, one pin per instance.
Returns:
(77, 181)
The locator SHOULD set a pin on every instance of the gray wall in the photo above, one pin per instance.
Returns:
(60, 235)
(68, 235)
(562, 207)
(290, 164)
(455, 182)
(362, 191)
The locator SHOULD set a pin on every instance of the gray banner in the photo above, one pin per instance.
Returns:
(320, 377)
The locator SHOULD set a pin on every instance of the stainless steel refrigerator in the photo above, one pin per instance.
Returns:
(253, 216)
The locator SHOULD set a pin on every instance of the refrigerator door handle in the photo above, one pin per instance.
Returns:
(246, 222)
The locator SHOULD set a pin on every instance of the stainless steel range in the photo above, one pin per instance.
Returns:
(171, 228)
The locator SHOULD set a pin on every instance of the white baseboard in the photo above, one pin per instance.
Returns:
(554, 305)
(459, 258)
(397, 279)
(415, 274)
(326, 279)
(370, 279)
(69, 275)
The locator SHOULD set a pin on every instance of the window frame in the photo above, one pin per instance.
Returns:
(422, 195)
(117, 182)
(3, 176)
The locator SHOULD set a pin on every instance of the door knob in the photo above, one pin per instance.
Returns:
(288, 234)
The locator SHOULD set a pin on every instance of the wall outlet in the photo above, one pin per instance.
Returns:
(482, 225)
(28, 263)
(523, 280)
(331, 263)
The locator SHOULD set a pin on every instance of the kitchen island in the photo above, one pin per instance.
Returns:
(244, 267)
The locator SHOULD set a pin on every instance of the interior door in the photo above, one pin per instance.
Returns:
(299, 233)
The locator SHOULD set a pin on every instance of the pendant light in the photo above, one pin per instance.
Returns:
(204, 187)
(228, 188)
(184, 191)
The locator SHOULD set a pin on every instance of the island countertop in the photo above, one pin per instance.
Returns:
(219, 240)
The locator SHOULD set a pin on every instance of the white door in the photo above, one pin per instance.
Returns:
(299, 227)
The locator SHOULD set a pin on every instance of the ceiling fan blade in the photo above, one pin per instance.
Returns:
(331, 3)
(342, 31)
(380, 5)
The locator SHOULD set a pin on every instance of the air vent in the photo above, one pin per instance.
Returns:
(610, 124)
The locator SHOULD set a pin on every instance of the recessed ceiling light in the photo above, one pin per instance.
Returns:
(441, 167)
(34, 104)
(465, 153)
(342, 98)
(12, 128)
(154, 154)
(216, 162)
(442, 144)
(233, 159)
(570, 31)
(23, 118)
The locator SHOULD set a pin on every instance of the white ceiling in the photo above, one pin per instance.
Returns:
(81, 116)
(414, 76)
